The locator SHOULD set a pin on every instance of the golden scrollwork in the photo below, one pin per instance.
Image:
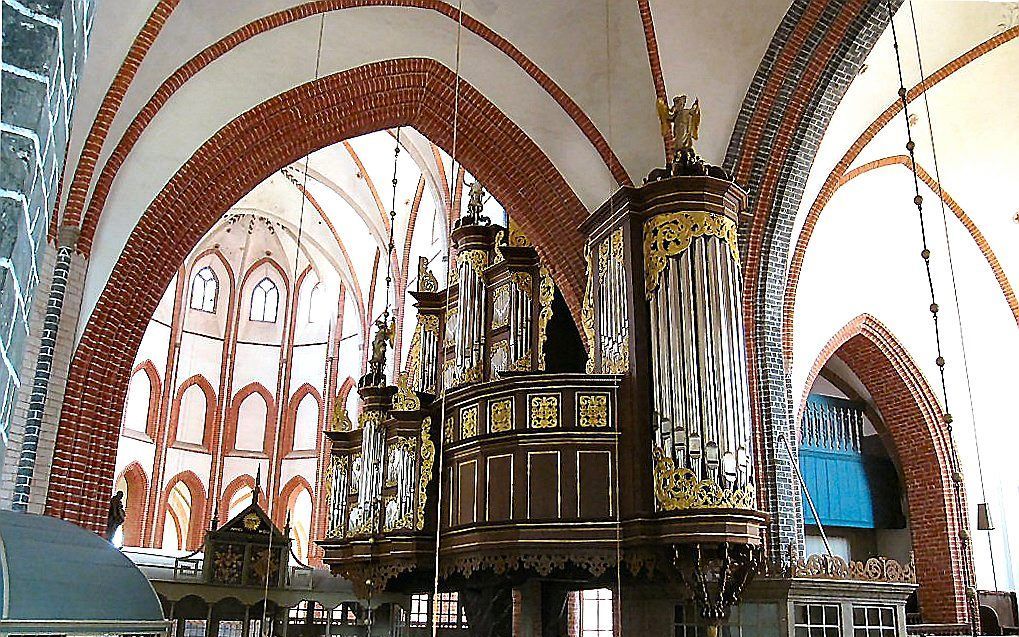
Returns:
(543, 412)
(500, 236)
(468, 422)
(405, 399)
(500, 415)
(677, 488)
(587, 309)
(429, 323)
(618, 363)
(426, 280)
(369, 417)
(546, 292)
(522, 281)
(448, 430)
(517, 237)
(425, 475)
(670, 234)
(522, 364)
(476, 259)
(833, 567)
(341, 419)
(593, 410)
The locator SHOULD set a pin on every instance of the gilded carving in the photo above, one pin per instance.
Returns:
(543, 412)
(546, 292)
(500, 306)
(677, 488)
(587, 309)
(468, 422)
(425, 476)
(669, 235)
(369, 417)
(341, 419)
(833, 567)
(405, 399)
(499, 238)
(454, 271)
(426, 280)
(476, 259)
(500, 415)
(617, 363)
(448, 430)
(517, 237)
(522, 364)
(593, 410)
(522, 281)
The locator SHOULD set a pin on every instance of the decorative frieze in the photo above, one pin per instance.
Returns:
(543, 411)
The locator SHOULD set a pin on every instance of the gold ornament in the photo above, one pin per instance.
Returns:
(546, 292)
(468, 422)
(543, 412)
(405, 399)
(500, 415)
(587, 309)
(594, 410)
(427, 458)
(669, 235)
(523, 282)
(678, 489)
(477, 259)
(426, 280)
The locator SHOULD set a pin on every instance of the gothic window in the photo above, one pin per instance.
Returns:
(265, 299)
(204, 290)
(306, 424)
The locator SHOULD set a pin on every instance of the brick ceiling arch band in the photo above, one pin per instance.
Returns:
(74, 213)
(978, 238)
(922, 447)
(415, 92)
(816, 52)
(838, 175)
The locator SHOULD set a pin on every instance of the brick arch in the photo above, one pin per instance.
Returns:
(816, 52)
(244, 480)
(913, 429)
(196, 525)
(155, 391)
(290, 419)
(230, 430)
(210, 409)
(287, 496)
(137, 491)
(415, 92)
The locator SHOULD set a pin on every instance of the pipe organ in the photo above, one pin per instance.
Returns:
(481, 464)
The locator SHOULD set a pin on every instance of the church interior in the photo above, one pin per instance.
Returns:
(485, 318)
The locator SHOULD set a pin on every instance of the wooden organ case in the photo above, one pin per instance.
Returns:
(638, 467)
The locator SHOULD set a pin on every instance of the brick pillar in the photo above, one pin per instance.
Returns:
(29, 456)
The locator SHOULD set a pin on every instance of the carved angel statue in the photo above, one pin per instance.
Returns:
(476, 204)
(682, 121)
(383, 337)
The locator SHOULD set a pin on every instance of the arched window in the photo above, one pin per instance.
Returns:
(300, 523)
(251, 418)
(306, 424)
(192, 415)
(265, 299)
(139, 398)
(315, 304)
(177, 526)
(204, 290)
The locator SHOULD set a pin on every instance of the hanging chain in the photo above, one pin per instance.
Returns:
(391, 248)
(925, 254)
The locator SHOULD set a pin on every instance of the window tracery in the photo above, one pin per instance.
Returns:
(204, 290)
(264, 302)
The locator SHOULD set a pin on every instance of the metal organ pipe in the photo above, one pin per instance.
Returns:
(700, 388)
